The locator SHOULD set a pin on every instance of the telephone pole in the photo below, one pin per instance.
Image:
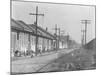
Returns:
(59, 38)
(85, 22)
(57, 34)
(83, 38)
(56, 29)
(36, 14)
(61, 32)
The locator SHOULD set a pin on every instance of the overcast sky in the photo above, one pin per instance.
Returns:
(67, 17)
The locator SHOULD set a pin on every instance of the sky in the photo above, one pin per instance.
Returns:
(67, 17)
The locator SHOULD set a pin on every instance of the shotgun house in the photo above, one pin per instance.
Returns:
(20, 36)
(46, 41)
(23, 38)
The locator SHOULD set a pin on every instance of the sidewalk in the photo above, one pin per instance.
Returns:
(29, 65)
(39, 55)
(27, 57)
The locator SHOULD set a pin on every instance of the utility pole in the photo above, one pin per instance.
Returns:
(56, 29)
(85, 30)
(59, 38)
(36, 14)
(83, 38)
(60, 33)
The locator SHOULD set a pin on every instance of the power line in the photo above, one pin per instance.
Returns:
(84, 31)
(36, 14)
(56, 29)
(57, 34)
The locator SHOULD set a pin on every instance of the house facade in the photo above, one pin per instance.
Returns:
(23, 38)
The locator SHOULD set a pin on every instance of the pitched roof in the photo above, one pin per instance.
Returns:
(43, 31)
(20, 25)
(15, 25)
(25, 26)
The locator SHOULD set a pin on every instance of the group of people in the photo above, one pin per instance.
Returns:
(18, 53)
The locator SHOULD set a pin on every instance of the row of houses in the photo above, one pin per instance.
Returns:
(23, 38)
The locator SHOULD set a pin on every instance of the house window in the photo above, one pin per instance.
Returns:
(17, 35)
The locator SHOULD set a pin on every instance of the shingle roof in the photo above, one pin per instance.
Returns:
(43, 31)
(25, 26)
(15, 25)
(20, 25)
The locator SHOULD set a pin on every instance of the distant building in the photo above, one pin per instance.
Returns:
(91, 44)
(63, 43)
(23, 38)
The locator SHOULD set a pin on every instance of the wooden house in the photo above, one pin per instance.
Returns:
(23, 37)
